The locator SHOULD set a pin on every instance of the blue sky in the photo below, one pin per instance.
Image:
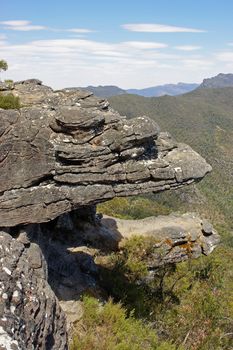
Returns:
(130, 43)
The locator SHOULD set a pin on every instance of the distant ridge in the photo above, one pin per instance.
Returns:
(154, 91)
(219, 81)
(167, 89)
(105, 91)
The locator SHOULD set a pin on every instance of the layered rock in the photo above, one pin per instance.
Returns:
(60, 154)
(68, 149)
(30, 315)
(176, 237)
(71, 262)
(64, 257)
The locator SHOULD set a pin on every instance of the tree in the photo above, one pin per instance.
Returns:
(3, 65)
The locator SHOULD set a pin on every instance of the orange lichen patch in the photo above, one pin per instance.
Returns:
(168, 241)
(188, 247)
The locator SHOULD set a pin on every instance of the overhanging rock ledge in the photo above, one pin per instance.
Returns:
(67, 149)
(60, 154)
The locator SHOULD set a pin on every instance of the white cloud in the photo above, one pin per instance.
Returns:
(3, 36)
(188, 48)
(79, 62)
(145, 45)
(94, 47)
(21, 25)
(194, 63)
(225, 56)
(15, 23)
(80, 30)
(159, 28)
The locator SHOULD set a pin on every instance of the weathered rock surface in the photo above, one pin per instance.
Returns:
(63, 257)
(68, 149)
(178, 237)
(30, 315)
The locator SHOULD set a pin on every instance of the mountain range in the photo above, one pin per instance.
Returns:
(160, 90)
(219, 81)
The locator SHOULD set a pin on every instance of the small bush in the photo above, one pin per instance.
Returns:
(132, 208)
(9, 102)
(9, 83)
(106, 327)
(190, 304)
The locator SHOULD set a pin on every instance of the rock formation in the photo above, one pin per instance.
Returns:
(30, 316)
(68, 149)
(178, 237)
(60, 154)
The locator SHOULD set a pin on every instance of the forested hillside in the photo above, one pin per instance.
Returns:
(190, 304)
(204, 120)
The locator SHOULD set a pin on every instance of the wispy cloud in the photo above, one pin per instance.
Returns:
(80, 30)
(159, 28)
(188, 48)
(20, 25)
(3, 36)
(82, 62)
(15, 23)
(225, 56)
(125, 48)
(197, 63)
(145, 45)
(23, 25)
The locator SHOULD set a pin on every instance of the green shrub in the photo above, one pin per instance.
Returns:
(9, 83)
(190, 304)
(132, 208)
(107, 327)
(9, 101)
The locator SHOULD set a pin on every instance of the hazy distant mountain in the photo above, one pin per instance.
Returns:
(105, 91)
(154, 91)
(219, 81)
(167, 89)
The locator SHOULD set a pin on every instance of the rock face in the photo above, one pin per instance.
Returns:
(62, 258)
(68, 149)
(178, 237)
(219, 81)
(60, 154)
(30, 316)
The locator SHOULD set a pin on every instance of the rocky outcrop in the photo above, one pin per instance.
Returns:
(30, 315)
(63, 258)
(176, 237)
(72, 264)
(60, 154)
(217, 82)
(68, 149)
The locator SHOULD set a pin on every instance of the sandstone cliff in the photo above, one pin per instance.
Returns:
(64, 151)
(68, 149)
